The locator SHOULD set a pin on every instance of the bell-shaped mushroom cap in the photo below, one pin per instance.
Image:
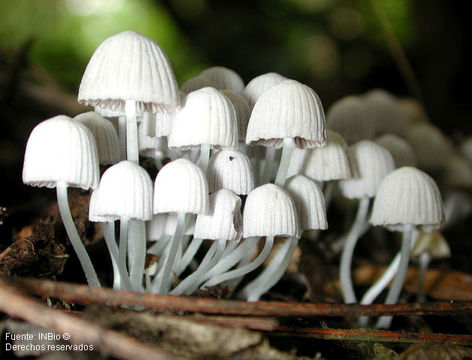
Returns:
(401, 151)
(105, 135)
(129, 66)
(458, 173)
(432, 243)
(259, 84)
(242, 112)
(309, 201)
(287, 110)
(270, 211)
(125, 191)
(432, 148)
(408, 196)
(325, 163)
(223, 78)
(181, 186)
(348, 117)
(384, 112)
(196, 83)
(370, 163)
(61, 150)
(230, 169)
(224, 220)
(208, 117)
(413, 111)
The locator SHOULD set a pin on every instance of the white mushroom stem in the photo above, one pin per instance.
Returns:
(132, 146)
(120, 276)
(268, 164)
(204, 157)
(381, 284)
(287, 150)
(395, 290)
(348, 250)
(122, 136)
(424, 261)
(164, 281)
(272, 272)
(230, 258)
(123, 243)
(188, 255)
(233, 284)
(241, 271)
(136, 253)
(191, 282)
(159, 246)
(79, 248)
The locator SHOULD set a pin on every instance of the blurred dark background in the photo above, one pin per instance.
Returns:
(338, 47)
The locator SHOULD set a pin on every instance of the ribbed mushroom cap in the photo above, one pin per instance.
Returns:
(309, 201)
(208, 117)
(61, 150)
(129, 66)
(287, 110)
(224, 220)
(325, 163)
(401, 151)
(370, 163)
(230, 169)
(196, 83)
(105, 135)
(270, 211)
(432, 148)
(259, 84)
(432, 243)
(348, 117)
(223, 78)
(408, 196)
(181, 186)
(125, 191)
(384, 112)
(242, 111)
(413, 111)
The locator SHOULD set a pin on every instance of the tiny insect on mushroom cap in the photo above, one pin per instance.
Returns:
(208, 117)
(401, 151)
(223, 78)
(105, 135)
(309, 201)
(243, 112)
(408, 196)
(125, 191)
(129, 66)
(370, 163)
(196, 83)
(230, 169)
(324, 163)
(223, 221)
(181, 186)
(270, 211)
(61, 150)
(348, 118)
(259, 84)
(287, 110)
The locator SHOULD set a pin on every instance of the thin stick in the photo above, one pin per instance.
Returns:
(81, 331)
(82, 294)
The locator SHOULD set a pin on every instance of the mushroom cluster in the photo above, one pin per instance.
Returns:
(245, 167)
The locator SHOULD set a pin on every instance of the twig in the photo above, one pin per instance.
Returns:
(373, 335)
(85, 295)
(81, 331)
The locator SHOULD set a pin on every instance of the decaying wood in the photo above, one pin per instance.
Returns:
(81, 331)
(85, 295)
